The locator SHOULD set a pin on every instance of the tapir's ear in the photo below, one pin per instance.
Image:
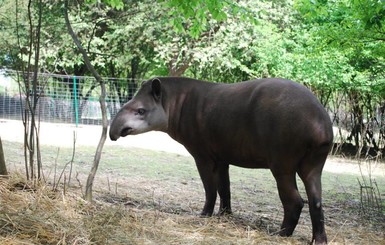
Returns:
(156, 89)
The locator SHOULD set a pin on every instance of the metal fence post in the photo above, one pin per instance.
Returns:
(76, 103)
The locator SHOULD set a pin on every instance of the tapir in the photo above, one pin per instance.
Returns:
(268, 123)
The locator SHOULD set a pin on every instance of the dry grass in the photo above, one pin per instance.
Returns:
(40, 216)
(37, 215)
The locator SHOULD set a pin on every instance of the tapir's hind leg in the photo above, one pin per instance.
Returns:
(291, 201)
(310, 172)
(223, 183)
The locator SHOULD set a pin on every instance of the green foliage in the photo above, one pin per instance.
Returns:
(354, 29)
(194, 15)
(348, 36)
(10, 53)
(117, 4)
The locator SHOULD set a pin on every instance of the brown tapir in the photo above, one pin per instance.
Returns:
(266, 123)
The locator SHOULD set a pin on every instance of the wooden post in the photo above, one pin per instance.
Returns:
(3, 168)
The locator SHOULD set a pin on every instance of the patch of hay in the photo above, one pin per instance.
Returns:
(40, 216)
(36, 215)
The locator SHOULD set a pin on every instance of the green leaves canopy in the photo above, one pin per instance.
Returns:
(335, 44)
(354, 30)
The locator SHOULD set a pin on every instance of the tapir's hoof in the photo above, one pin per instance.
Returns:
(204, 214)
(286, 232)
(225, 212)
(320, 243)
(320, 240)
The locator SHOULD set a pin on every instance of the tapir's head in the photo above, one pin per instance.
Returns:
(145, 112)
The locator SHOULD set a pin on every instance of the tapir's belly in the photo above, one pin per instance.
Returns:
(250, 163)
(248, 147)
(249, 157)
(244, 151)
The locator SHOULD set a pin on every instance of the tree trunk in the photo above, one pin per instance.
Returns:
(30, 75)
(3, 167)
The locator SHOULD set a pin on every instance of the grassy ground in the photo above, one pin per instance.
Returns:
(152, 197)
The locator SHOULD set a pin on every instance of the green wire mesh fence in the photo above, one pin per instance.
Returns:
(62, 98)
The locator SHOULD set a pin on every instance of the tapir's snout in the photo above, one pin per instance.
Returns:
(116, 133)
(120, 126)
(113, 135)
(113, 138)
(120, 133)
(115, 128)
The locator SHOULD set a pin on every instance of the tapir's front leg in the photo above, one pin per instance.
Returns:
(206, 171)
(215, 178)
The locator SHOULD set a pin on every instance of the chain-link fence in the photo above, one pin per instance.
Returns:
(62, 98)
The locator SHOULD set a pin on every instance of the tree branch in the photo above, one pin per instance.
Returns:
(79, 45)
(91, 176)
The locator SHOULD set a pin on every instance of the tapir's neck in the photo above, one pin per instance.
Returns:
(181, 99)
(174, 112)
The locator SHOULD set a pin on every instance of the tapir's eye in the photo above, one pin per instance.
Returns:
(141, 111)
